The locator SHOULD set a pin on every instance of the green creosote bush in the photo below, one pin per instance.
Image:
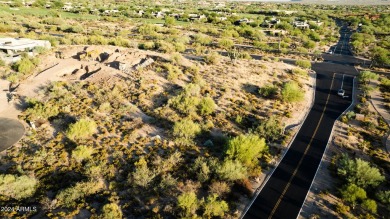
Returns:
(268, 91)
(215, 208)
(147, 46)
(81, 129)
(82, 152)
(231, 170)
(213, 58)
(207, 106)
(17, 187)
(188, 202)
(291, 92)
(67, 197)
(299, 71)
(185, 130)
(303, 64)
(111, 211)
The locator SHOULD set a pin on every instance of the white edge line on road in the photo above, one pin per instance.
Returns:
(258, 190)
(330, 137)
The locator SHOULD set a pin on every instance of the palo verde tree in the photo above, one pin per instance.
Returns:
(246, 148)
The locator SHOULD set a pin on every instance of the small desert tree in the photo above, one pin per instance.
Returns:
(246, 148)
(359, 172)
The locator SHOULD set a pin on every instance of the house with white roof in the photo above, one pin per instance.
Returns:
(11, 48)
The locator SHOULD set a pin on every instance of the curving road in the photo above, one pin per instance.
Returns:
(11, 131)
(284, 193)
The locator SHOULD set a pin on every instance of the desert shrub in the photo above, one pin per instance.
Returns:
(105, 107)
(120, 41)
(179, 47)
(299, 71)
(17, 187)
(367, 76)
(147, 46)
(231, 170)
(268, 91)
(111, 211)
(53, 21)
(384, 198)
(69, 196)
(82, 152)
(24, 66)
(270, 129)
(201, 169)
(303, 63)
(215, 208)
(148, 29)
(174, 72)
(165, 47)
(81, 129)
(39, 110)
(188, 202)
(230, 33)
(207, 106)
(169, 21)
(187, 102)
(219, 188)
(213, 58)
(142, 176)
(246, 148)
(225, 43)
(185, 130)
(369, 205)
(352, 193)
(202, 39)
(342, 209)
(80, 40)
(97, 40)
(385, 84)
(291, 92)
(40, 50)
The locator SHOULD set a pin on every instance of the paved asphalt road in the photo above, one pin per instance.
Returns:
(11, 131)
(285, 191)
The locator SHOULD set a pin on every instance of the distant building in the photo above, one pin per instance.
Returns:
(67, 8)
(301, 24)
(11, 48)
